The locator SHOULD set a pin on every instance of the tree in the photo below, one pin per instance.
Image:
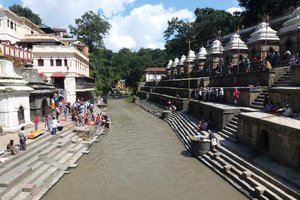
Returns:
(26, 12)
(91, 29)
(256, 10)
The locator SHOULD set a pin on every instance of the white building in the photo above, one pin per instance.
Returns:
(65, 66)
(13, 28)
(154, 74)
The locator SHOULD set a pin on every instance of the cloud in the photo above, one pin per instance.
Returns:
(142, 27)
(132, 28)
(61, 13)
(234, 9)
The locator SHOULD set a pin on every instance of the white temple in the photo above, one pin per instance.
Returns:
(263, 32)
(168, 67)
(201, 55)
(189, 61)
(235, 43)
(216, 47)
(14, 99)
(180, 69)
(174, 66)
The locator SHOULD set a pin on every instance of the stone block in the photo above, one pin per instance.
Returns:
(227, 168)
(259, 190)
(28, 187)
(246, 174)
(15, 175)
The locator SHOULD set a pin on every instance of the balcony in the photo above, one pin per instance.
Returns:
(85, 84)
(15, 53)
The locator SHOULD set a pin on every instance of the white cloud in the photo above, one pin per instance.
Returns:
(234, 9)
(142, 27)
(61, 13)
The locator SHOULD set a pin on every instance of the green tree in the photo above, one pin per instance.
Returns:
(256, 10)
(26, 12)
(91, 29)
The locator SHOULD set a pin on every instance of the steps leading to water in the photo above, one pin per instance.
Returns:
(31, 173)
(249, 179)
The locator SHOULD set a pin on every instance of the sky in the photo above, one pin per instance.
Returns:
(134, 23)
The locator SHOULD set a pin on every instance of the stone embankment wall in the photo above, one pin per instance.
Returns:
(276, 136)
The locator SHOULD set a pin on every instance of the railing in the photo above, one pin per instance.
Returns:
(85, 86)
(15, 53)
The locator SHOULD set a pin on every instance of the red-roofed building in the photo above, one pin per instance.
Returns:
(154, 74)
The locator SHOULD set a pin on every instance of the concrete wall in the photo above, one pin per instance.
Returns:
(286, 95)
(218, 114)
(283, 140)
(163, 99)
(295, 75)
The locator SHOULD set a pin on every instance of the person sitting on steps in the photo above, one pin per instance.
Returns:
(11, 147)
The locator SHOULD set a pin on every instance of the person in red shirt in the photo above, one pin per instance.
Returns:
(36, 122)
(236, 95)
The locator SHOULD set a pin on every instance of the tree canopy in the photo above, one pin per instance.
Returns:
(208, 24)
(255, 10)
(26, 12)
(91, 29)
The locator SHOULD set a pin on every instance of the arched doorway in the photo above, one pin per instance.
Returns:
(21, 115)
(44, 107)
(263, 140)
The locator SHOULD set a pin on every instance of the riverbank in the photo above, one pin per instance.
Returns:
(31, 173)
(140, 158)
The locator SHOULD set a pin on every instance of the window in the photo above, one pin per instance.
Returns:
(32, 32)
(11, 25)
(66, 62)
(58, 62)
(40, 62)
(51, 62)
(15, 26)
(7, 23)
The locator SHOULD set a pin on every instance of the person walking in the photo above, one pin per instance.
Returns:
(49, 122)
(36, 122)
(236, 95)
(54, 126)
(22, 138)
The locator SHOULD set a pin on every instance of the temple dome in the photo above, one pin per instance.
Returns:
(216, 47)
(202, 54)
(263, 32)
(182, 60)
(175, 63)
(169, 65)
(191, 56)
(235, 43)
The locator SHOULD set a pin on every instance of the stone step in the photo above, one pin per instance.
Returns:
(233, 126)
(257, 172)
(15, 175)
(231, 137)
(231, 130)
(28, 155)
(258, 103)
(27, 185)
(256, 107)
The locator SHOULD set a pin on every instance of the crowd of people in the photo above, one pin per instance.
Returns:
(209, 94)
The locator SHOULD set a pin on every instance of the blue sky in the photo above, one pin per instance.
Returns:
(134, 23)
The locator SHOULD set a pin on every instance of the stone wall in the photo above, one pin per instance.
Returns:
(263, 78)
(276, 136)
(295, 75)
(143, 95)
(162, 99)
(218, 114)
(286, 95)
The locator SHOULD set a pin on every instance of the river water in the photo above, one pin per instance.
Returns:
(140, 157)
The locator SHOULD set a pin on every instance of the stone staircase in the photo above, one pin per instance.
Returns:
(230, 130)
(249, 179)
(30, 174)
(259, 101)
(284, 81)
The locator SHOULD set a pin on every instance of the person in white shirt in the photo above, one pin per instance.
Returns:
(54, 126)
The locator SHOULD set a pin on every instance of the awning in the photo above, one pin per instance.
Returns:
(58, 75)
(42, 76)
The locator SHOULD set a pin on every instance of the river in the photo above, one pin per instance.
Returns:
(140, 157)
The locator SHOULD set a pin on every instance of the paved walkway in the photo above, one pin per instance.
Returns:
(4, 139)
